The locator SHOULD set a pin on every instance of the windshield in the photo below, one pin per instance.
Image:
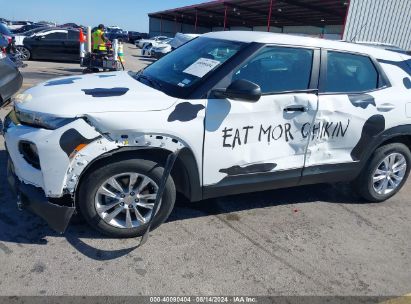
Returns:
(180, 71)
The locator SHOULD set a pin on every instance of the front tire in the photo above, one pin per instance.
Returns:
(117, 198)
(385, 174)
(23, 53)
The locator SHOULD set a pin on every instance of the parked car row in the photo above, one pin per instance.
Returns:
(136, 36)
(157, 47)
(116, 33)
(53, 44)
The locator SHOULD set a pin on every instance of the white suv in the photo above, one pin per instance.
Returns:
(246, 111)
(159, 39)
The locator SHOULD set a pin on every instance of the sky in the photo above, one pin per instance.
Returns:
(128, 14)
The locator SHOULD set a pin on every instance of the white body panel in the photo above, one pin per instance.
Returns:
(267, 136)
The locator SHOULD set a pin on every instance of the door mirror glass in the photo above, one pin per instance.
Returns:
(241, 89)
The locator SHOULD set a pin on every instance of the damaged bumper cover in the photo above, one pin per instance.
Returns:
(34, 199)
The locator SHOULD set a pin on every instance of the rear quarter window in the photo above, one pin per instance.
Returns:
(350, 73)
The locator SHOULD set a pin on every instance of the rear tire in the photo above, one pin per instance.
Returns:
(385, 174)
(93, 198)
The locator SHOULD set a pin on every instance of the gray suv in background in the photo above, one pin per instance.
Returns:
(10, 77)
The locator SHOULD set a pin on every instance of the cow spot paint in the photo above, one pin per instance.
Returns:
(374, 126)
(362, 100)
(250, 169)
(407, 83)
(185, 112)
(105, 76)
(102, 92)
(71, 139)
(62, 81)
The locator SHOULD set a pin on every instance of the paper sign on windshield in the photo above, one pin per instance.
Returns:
(201, 67)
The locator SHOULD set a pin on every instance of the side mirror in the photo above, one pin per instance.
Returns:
(242, 90)
(40, 37)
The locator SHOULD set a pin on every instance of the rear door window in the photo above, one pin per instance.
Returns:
(350, 73)
(56, 36)
(73, 35)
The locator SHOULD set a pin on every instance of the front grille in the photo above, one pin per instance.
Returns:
(29, 152)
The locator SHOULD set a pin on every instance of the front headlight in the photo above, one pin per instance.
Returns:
(41, 120)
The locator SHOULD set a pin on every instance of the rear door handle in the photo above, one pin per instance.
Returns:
(295, 109)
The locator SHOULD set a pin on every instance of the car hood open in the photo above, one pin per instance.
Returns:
(94, 93)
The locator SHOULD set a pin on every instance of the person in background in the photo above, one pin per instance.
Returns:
(99, 40)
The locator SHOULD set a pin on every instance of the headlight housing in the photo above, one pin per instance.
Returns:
(41, 120)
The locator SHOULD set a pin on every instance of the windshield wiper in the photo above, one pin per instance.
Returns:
(152, 81)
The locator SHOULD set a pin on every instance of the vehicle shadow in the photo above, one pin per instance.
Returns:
(56, 61)
(43, 75)
(71, 70)
(21, 227)
(142, 58)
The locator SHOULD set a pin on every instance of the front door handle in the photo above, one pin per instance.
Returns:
(295, 109)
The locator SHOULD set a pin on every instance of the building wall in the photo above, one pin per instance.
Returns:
(170, 28)
(380, 21)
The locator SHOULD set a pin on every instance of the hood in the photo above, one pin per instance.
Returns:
(94, 93)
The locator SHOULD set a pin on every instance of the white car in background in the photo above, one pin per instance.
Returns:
(164, 48)
(141, 43)
(149, 46)
(15, 25)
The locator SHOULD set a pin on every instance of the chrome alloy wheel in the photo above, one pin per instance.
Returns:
(22, 53)
(126, 200)
(389, 174)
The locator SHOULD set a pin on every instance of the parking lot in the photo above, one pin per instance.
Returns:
(311, 240)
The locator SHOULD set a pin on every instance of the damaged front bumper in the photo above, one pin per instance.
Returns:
(34, 199)
(41, 190)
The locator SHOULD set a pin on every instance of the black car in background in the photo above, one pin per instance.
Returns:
(135, 36)
(10, 77)
(118, 34)
(53, 44)
(27, 28)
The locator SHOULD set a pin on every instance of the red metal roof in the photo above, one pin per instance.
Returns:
(255, 13)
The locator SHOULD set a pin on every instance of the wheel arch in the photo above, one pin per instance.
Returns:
(185, 173)
(399, 134)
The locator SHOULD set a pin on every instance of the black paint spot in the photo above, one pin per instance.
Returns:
(105, 76)
(62, 81)
(362, 100)
(405, 65)
(407, 83)
(100, 92)
(257, 168)
(372, 127)
(70, 139)
(185, 112)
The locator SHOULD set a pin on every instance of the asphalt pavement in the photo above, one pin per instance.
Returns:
(311, 240)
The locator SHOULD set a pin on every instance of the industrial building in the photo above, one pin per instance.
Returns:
(352, 20)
